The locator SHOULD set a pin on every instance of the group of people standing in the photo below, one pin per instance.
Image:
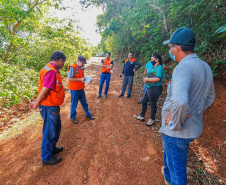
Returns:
(153, 75)
(189, 94)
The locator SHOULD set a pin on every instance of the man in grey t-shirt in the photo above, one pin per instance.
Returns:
(189, 94)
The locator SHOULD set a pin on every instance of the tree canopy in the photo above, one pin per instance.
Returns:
(142, 25)
(29, 35)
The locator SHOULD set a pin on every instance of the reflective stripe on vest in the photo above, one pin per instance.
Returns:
(47, 68)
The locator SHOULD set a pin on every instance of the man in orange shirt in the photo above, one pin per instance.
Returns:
(76, 85)
(107, 66)
(50, 97)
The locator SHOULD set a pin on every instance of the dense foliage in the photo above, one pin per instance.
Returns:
(29, 35)
(142, 25)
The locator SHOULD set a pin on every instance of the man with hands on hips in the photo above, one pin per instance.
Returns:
(189, 94)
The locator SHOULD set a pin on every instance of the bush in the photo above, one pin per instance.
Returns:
(17, 83)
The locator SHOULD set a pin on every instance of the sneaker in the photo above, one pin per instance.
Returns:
(74, 121)
(53, 161)
(139, 102)
(121, 95)
(99, 96)
(105, 96)
(57, 150)
(139, 118)
(162, 171)
(128, 96)
(150, 122)
(91, 117)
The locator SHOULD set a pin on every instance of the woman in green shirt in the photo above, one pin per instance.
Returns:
(154, 88)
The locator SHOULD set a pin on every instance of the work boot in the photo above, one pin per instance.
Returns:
(74, 121)
(57, 150)
(150, 122)
(52, 161)
(91, 117)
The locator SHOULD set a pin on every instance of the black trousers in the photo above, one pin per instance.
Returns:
(151, 95)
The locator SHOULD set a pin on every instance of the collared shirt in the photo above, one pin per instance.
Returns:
(190, 93)
(50, 78)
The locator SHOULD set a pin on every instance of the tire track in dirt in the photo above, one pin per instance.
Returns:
(112, 149)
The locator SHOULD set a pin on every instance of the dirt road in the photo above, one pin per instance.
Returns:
(112, 149)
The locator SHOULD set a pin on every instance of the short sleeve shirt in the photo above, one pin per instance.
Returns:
(50, 78)
(159, 71)
(71, 73)
(148, 65)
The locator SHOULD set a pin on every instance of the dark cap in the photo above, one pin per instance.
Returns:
(82, 59)
(182, 36)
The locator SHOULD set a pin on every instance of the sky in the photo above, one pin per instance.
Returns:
(86, 18)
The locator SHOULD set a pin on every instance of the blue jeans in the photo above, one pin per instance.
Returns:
(175, 159)
(75, 96)
(51, 130)
(104, 77)
(127, 80)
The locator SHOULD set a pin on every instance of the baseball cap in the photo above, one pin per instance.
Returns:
(82, 59)
(182, 36)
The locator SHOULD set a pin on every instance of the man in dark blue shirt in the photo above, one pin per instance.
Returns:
(130, 66)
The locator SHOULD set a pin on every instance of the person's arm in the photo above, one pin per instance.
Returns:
(210, 97)
(105, 66)
(145, 73)
(76, 79)
(153, 79)
(181, 83)
(137, 64)
(41, 97)
(123, 69)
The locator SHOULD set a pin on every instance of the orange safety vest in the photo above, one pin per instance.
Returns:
(106, 62)
(55, 96)
(78, 73)
(131, 60)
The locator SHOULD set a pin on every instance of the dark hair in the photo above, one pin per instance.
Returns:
(157, 56)
(186, 48)
(131, 52)
(57, 55)
(108, 53)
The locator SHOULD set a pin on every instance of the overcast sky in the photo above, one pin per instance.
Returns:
(86, 17)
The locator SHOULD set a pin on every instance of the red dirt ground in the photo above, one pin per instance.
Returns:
(114, 148)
